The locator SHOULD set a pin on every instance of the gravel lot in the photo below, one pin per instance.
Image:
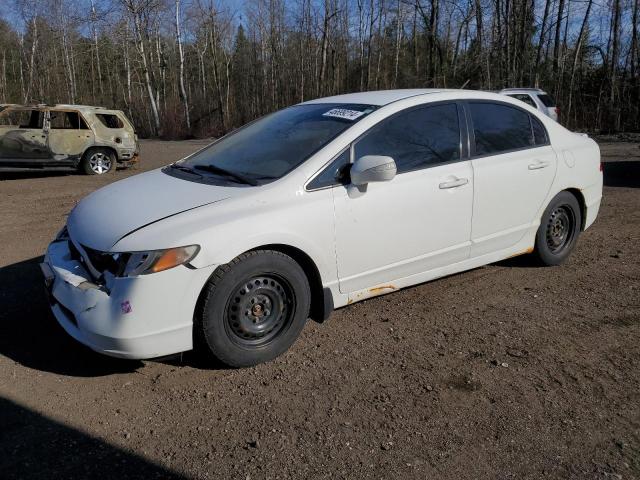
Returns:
(507, 371)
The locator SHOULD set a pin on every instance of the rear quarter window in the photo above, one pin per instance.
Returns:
(110, 120)
(540, 136)
(523, 97)
(547, 100)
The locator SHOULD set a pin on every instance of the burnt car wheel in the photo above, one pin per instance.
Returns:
(252, 309)
(98, 161)
(558, 230)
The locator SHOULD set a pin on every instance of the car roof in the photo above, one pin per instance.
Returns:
(58, 106)
(82, 108)
(522, 90)
(377, 97)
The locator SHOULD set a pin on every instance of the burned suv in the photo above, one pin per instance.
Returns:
(90, 139)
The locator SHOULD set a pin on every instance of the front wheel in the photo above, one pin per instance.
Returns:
(253, 308)
(98, 161)
(559, 229)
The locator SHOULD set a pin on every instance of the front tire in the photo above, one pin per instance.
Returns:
(252, 309)
(98, 161)
(559, 229)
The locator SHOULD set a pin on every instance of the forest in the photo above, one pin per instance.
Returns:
(195, 68)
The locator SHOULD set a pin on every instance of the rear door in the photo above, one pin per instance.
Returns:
(69, 136)
(514, 166)
(23, 141)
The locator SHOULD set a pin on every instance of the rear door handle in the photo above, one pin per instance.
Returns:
(458, 182)
(538, 165)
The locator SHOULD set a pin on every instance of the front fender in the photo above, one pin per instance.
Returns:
(303, 220)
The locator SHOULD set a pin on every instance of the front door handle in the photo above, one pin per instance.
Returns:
(458, 182)
(538, 165)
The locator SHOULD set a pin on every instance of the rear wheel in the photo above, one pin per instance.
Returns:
(98, 161)
(559, 229)
(253, 309)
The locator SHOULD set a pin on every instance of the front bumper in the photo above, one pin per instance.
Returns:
(137, 318)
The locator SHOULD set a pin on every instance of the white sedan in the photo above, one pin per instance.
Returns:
(311, 208)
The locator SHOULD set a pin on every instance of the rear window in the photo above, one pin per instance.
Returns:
(547, 100)
(109, 120)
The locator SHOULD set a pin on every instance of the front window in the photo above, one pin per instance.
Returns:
(272, 146)
(415, 139)
(22, 118)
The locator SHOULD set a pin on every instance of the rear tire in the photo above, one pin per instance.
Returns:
(252, 309)
(559, 229)
(98, 161)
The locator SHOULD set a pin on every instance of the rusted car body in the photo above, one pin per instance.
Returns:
(91, 139)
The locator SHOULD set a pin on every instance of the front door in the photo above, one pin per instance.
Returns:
(23, 141)
(514, 166)
(69, 136)
(418, 221)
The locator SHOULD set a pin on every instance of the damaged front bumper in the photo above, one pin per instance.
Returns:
(137, 318)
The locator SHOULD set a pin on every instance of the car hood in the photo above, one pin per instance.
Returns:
(111, 213)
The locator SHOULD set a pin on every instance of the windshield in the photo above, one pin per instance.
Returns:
(274, 145)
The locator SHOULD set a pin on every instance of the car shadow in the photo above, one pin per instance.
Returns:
(30, 335)
(521, 261)
(27, 174)
(625, 173)
(33, 446)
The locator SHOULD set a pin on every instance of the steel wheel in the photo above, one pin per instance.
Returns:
(259, 310)
(560, 229)
(100, 163)
(252, 308)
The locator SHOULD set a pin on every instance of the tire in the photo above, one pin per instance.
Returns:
(559, 229)
(98, 161)
(252, 309)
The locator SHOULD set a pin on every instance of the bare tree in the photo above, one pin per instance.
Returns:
(183, 92)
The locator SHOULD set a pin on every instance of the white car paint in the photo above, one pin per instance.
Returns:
(363, 243)
(533, 95)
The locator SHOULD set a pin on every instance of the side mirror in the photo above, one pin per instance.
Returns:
(372, 168)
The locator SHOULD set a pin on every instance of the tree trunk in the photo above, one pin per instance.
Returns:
(576, 55)
(183, 92)
(145, 70)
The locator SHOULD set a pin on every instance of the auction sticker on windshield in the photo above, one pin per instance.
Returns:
(343, 113)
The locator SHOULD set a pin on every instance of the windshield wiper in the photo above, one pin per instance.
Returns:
(236, 176)
(190, 170)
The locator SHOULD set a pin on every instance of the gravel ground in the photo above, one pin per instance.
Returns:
(506, 371)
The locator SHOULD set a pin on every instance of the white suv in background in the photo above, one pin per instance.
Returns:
(538, 99)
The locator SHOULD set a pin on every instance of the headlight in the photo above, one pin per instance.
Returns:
(131, 264)
(143, 263)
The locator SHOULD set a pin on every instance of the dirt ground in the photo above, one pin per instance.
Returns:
(510, 371)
